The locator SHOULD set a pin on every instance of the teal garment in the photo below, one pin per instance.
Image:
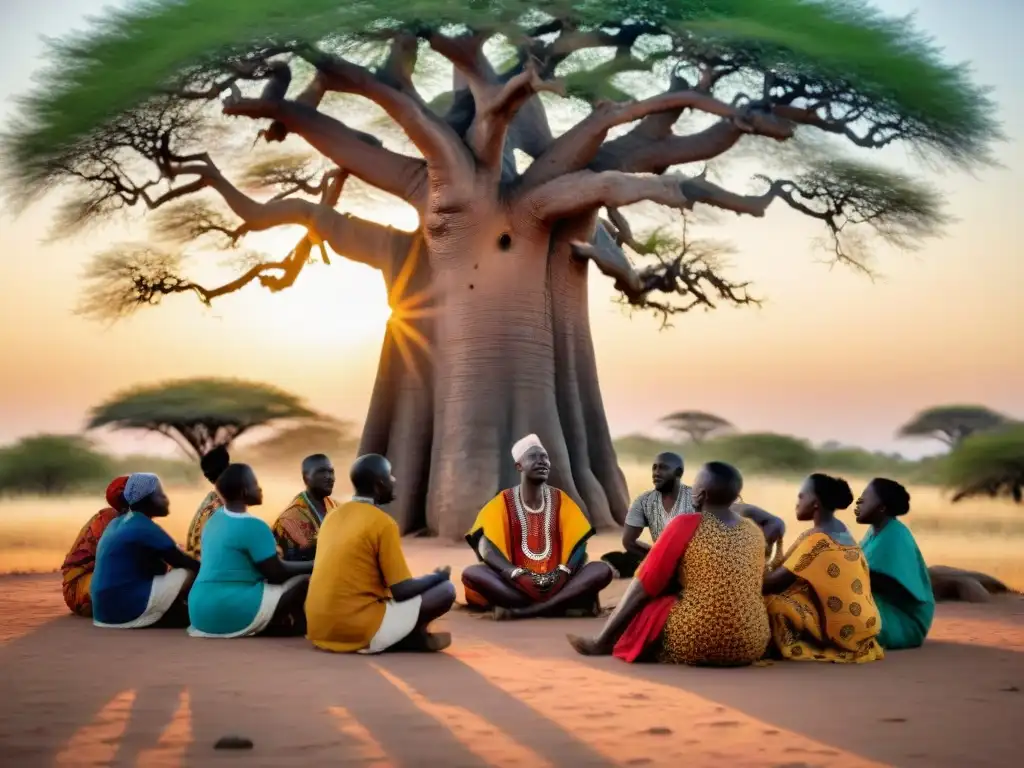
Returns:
(229, 589)
(907, 614)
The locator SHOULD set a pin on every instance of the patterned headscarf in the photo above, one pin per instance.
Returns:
(115, 492)
(139, 486)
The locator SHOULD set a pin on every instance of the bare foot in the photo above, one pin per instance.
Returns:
(588, 646)
(502, 614)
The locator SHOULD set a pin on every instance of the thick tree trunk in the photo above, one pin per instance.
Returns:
(399, 422)
(510, 354)
(595, 466)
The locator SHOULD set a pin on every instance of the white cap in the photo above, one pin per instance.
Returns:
(520, 449)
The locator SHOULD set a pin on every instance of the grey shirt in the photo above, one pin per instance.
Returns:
(648, 510)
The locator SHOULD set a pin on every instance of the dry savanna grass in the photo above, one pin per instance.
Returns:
(981, 534)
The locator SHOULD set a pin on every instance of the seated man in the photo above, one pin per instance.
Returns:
(213, 463)
(296, 529)
(362, 596)
(531, 541)
(80, 562)
(670, 497)
(131, 586)
(652, 510)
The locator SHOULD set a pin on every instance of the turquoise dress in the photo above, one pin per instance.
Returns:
(229, 589)
(906, 614)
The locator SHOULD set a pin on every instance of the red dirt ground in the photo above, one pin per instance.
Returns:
(508, 694)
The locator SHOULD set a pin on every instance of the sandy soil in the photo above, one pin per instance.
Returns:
(508, 694)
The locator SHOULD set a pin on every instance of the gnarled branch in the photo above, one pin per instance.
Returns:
(578, 146)
(498, 106)
(360, 153)
(443, 149)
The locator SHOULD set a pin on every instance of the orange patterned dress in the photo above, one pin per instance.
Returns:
(80, 562)
(194, 540)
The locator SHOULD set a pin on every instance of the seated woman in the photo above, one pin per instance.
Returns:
(819, 600)
(213, 463)
(899, 576)
(132, 586)
(531, 542)
(717, 618)
(80, 562)
(244, 588)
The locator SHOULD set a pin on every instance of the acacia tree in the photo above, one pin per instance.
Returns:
(199, 414)
(988, 464)
(952, 424)
(489, 336)
(696, 425)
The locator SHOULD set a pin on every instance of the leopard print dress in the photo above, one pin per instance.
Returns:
(720, 618)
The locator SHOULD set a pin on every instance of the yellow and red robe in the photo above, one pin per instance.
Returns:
(81, 561)
(297, 527)
(499, 524)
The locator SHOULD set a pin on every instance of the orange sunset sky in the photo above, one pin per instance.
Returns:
(831, 355)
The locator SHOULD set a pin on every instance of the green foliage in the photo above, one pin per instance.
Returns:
(766, 452)
(887, 67)
(52, 464)
(199, 413)
(784, 455)
(953, 423)
(292, 444)
(988, 464)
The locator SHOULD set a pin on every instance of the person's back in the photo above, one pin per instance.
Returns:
(127, 559)
(720, 618)
(228, 591)
(358, 554)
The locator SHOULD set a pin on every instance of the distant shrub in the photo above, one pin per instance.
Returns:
(52, 464)
(987, 464)
(763, 453)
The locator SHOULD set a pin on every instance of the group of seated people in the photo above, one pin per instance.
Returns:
(707, 592)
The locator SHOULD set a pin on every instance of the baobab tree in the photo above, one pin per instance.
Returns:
(489, 336)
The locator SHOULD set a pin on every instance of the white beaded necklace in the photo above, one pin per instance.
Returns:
(521, 511)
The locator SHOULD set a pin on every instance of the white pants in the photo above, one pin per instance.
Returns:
(162, 594)
(272, 594)
(399, 621)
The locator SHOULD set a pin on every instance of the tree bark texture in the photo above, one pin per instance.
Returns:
(510, 354)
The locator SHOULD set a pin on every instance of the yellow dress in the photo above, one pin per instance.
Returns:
(720, 618)
(829, 613)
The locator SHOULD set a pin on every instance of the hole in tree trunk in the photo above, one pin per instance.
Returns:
(505, 241)
(471, 286)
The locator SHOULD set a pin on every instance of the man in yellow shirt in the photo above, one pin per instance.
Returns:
(362, 596)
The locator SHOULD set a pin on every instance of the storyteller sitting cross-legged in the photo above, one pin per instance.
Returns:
(531, 541)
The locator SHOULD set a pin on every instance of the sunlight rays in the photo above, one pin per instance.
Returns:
(629, 721)
(362, 745)
(97, 743)
(406, 309)
(174, 741)
(484, 739)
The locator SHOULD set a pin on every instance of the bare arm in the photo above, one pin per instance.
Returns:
(493, 557)
(278, 571)
(410, 588)
(178, 559)
(778, 581)
(631, 541)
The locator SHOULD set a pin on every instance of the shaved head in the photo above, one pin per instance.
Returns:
(371, 477)
(667, 471)
(718, 484)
